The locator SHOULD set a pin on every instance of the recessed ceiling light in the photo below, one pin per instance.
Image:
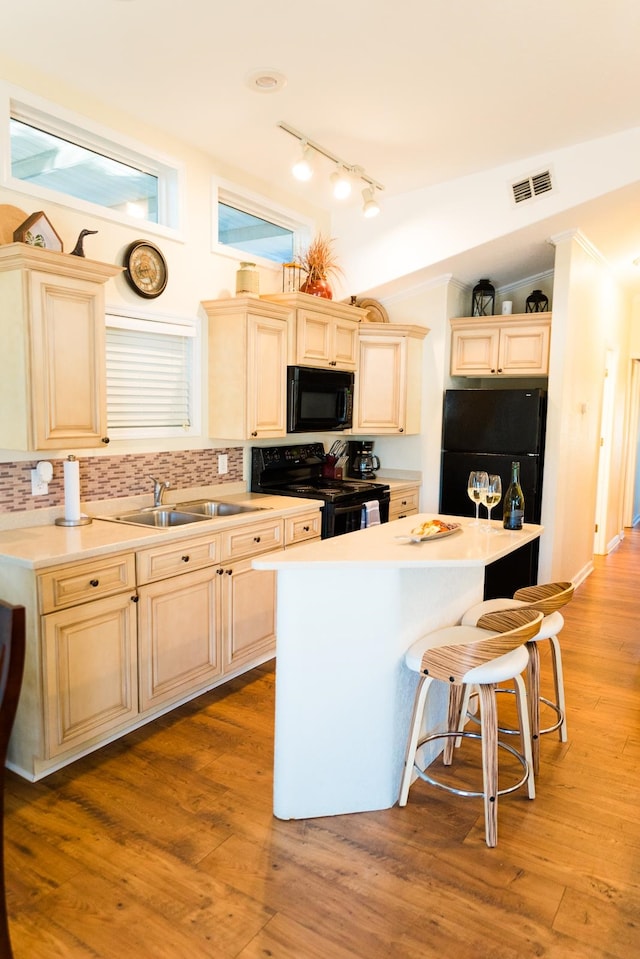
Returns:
(266, 81)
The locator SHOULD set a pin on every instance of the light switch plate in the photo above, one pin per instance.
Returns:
(38, 485)
(223, 463)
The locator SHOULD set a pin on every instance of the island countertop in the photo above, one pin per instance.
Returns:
(387, 545)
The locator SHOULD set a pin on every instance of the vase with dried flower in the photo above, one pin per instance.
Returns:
(319, 263)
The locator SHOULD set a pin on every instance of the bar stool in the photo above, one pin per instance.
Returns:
(547, 598)
(483, 655)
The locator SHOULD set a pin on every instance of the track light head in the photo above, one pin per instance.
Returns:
(341, 183)
(370, 207)
(302, 169)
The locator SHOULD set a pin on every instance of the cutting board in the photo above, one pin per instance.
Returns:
(10, 219)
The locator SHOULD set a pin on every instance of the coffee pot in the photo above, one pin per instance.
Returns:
(362, 460)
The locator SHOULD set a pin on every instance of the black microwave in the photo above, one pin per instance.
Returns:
(318, 399)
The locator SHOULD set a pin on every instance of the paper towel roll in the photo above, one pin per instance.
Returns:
(71, 490)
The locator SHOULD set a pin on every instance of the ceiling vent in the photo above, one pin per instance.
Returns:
(532, 186)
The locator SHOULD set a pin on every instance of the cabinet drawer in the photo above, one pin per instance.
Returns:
(250, 540)
(297, 529)
(403, 504)
(172, 559)
(82, 582)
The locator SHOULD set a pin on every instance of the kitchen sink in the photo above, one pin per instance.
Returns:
(161, 518)
(210, 507)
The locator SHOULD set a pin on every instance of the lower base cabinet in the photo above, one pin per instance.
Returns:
(90, 672)
(404, 502)
(178, 637)
(249, 614)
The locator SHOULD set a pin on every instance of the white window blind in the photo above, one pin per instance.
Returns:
(150, 382)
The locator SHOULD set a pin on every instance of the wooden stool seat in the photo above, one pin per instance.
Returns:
(478, 656)
(547, 598)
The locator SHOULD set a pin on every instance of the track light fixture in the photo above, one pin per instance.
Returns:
(343, 176)
(370, 206)
(302, 169)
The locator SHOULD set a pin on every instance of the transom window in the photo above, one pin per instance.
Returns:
(55, 156)
(253, 228)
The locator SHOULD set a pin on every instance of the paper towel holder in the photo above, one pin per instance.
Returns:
(82, 520)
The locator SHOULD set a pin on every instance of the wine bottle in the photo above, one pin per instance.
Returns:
(513, 507)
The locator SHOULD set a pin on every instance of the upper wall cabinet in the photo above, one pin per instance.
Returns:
(323, 333)
(389, 379)
(516, 345)
(247, 368)
(52, 362)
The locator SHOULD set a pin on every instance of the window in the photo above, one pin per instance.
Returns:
(250, 227)
(152, 378)
(54, 157)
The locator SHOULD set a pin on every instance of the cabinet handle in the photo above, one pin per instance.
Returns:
(256, 539)
(94, 582)
(135, 599)
(185, 559)
(403, 503)
(105, 440)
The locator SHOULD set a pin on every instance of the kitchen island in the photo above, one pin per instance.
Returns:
(348, 608)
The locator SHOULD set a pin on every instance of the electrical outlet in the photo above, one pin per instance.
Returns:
(38, 485)
(223, 464)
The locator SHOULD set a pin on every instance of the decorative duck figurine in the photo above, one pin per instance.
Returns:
(78, 249)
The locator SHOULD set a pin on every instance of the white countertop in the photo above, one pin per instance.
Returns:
(378, 546)
(37, 547)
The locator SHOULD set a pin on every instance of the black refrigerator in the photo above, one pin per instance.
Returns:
(488, 430)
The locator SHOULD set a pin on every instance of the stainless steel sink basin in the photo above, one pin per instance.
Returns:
(162, 518)
(209, 507)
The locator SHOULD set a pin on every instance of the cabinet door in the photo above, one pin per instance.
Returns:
(313, 339)
(381, 389)
(344, 348)
(90, 670)
(67, 362)
(249, 630)
(403, 503)
(266, 377)
(474, 352)
(178, 637)
(524, 351)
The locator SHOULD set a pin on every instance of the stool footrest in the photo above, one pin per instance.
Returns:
(463, 792)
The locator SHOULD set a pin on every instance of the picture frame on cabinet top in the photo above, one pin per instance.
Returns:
(38, 231)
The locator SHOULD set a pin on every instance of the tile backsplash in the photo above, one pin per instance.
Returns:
(110, 477)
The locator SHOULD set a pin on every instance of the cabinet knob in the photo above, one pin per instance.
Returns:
(254, 433)
(401, 430)
(256, 539)
(185, 559)
(219, 571)
(228, 572)
(105, 440)
(493, 371)
(135, 599)
(306, 528)
(499, 369)
(94, 582)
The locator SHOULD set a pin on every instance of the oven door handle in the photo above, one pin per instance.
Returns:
(344, 510)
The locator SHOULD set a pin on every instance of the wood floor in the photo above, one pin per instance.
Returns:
(164, 845)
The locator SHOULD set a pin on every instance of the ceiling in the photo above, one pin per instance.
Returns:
(417, 93)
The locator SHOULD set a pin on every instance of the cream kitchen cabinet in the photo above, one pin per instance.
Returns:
(89, 654)
(248, 342)
(178, 620)
(388, 390)
(52, 364)
(404, 502)
(323, 334)
(516, 345)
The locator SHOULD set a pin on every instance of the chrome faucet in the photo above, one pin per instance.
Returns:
(159, 486)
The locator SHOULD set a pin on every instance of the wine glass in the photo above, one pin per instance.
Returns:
(476, 484)
(491, 495)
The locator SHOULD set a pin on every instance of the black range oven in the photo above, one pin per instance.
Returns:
(297, 471)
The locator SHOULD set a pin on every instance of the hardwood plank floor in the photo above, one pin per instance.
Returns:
(164, 843)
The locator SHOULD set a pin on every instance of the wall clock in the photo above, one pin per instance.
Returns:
(145, 268)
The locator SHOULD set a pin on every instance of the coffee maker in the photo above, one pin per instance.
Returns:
(362, 462)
